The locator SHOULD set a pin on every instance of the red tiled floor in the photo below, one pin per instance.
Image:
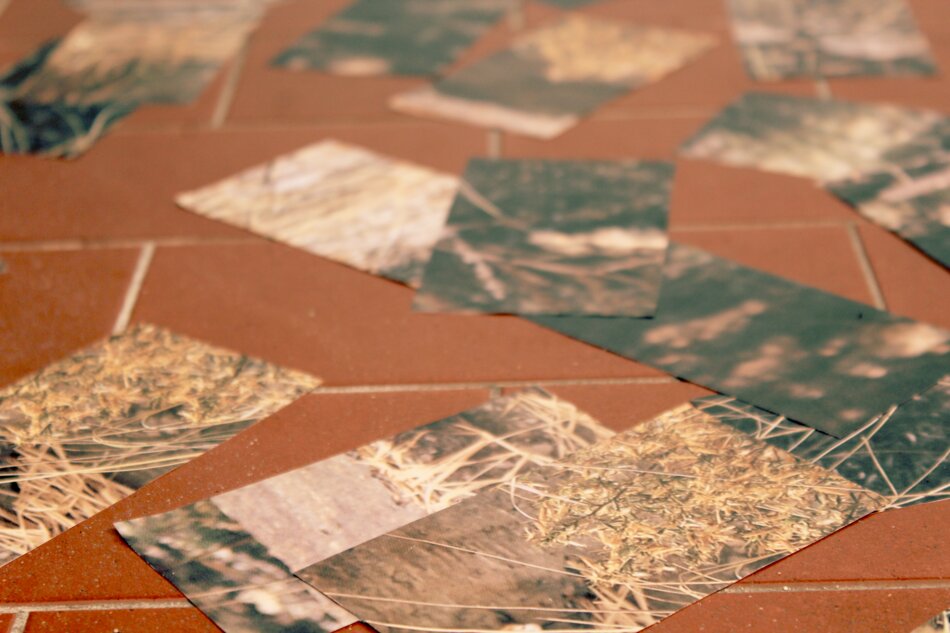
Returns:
(893, 545)
(710, 194)
(26, 23)
(121, 621)
(91, 562)
(913, 284)
(886, 611)
(821, 257)
(622, 406)
(6, 621)
(125, 186)
(348, 327)
(55, 303)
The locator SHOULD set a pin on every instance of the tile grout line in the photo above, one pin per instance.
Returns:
(867, 269)
(164, 242)
(19, 622)
(104, 605)
(135, 287)
(223, 107)
(498, 384)
(80, 245)
(808, 587)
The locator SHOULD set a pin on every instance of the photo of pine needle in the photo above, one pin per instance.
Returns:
(781, 39)
(902, 454)
(86, 431)
(228, 575)
(613, 537)
(339, 201)
(306, 515)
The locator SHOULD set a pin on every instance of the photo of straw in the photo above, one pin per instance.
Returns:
(86, 431)
(592, 541)
(902, 454)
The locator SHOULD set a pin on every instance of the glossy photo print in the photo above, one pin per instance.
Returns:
(555, 74)
(230, 576)
(890, 163)
(64, 96)
(592, 542)
(87, 431)
(783, 39)
(552, 237)
(815, 357)
(416, 37)
(902, 454)
(339, 201)
(306, 515)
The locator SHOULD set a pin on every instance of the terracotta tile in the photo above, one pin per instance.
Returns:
(909, 543)
(828, 612)
(709, 194)
(6, 621)
(348, 327)
(620, 407)
(91, 561)
(913, 284)
(123, 621)
(822, 257)
(648, 137)
(125, 186)
(55, 303)
(28, 23)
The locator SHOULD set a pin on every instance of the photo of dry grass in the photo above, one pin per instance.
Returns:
(815, 357)
(368, 37)
(339, 201)
(903, 454)
(553, 75)
(780, 39)
(61, 99)
(88, 430)
(228, 575)
(614, 537)
(306, 515)
(890, 163)
(142, 53)
(552, 237)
